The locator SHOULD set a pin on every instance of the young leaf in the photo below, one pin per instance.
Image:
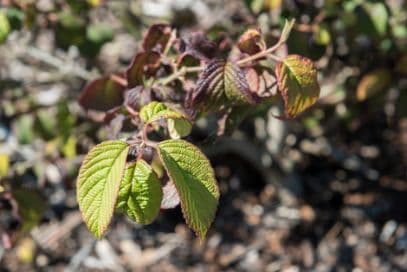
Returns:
(144, 64)
(157, 37)
(149, 112)
(297, 82)
(101, 94)
(285, 33)
(221, 83)
(140, 193)
(194, 179)
(251, 41)
(178, 124)
(98, 184)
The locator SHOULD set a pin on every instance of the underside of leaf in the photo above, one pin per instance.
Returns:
(194, 179)
(98, 184)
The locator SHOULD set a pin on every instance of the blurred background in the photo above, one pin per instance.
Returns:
(324, 192)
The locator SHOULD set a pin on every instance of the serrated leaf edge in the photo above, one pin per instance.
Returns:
(102, 230)
(183, 208)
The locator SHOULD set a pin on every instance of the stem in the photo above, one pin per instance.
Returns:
(181, 72)
(118, 79)
(275, 58)
(170, 42)
(185, 70)
(132, 112)
(262, 54)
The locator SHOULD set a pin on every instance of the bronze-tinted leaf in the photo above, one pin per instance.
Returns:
(372, 83)
(251, 42)
(101, 94)
(297, 83)
(222, 83)
(157, 37)
(144, 64)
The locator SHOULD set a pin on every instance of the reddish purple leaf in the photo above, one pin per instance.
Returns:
(101, 94)
(198, 46)
(157, 37)
(144, 64)
(222, 83)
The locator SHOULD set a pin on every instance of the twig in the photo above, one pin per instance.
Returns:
(170, 42)
(185, 70)
(180, 73)
(63, 66)
(118, 79)
(262, 54)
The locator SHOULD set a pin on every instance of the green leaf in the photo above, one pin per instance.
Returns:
(178, 124)
(179, 128)
(99, 33)
(378, 16)
(24, 128)
(15, 18)
(31, 207)
(221, 83)
(140, 193)
(194, 179)
(98, 184)
(322, 35)
(4, 27)
(70, 29)
(297, 83)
